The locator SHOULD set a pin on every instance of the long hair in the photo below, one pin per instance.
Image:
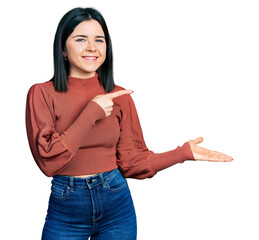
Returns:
(65, 27)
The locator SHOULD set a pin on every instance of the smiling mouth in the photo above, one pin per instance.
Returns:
(90, 58)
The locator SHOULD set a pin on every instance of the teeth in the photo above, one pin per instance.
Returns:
(90, 57)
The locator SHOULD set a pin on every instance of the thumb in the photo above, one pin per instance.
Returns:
(198, 140)
(119, 93)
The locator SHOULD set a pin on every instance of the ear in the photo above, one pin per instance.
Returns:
(64, 54)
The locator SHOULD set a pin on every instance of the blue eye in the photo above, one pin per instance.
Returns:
(83, 40)
(80, 40)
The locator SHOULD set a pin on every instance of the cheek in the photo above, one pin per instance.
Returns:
(103, 52)
(74, 51)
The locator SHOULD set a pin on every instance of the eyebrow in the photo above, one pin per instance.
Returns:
(87, 36)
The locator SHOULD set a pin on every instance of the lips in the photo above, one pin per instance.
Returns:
(90, 58)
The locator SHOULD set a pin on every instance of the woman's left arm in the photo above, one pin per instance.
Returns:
(135, 160)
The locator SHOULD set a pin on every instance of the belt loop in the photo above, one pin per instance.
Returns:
(71, 183)
(103, 181)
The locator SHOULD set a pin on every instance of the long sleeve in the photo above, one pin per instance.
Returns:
(134, 159)
(53, 151)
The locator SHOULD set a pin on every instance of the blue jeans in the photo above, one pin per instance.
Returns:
(99, 207)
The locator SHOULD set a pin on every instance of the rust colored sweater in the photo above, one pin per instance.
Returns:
(69, 134)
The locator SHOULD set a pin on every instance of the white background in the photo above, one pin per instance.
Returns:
(193, 66)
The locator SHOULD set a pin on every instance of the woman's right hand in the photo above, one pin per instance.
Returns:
(105, 100)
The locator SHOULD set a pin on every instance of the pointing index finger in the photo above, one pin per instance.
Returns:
(119, 93)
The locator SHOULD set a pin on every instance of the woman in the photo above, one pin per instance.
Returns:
(84, 131)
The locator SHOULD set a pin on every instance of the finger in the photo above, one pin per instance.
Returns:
(119, 93)
(198, 140)
(218, 156)
(109, 109)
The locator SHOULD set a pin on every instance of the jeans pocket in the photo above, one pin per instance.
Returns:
(60, 191)
(116, 183)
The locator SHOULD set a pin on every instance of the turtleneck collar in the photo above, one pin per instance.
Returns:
(91, 81)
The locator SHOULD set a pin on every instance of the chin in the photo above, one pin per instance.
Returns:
(92, 69)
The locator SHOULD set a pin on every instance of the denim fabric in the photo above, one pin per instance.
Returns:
(99, 207)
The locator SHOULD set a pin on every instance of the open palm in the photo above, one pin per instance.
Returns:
(204, 154)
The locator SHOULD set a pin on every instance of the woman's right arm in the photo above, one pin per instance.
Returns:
(53, 151)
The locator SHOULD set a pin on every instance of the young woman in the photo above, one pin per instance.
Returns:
(84, 132)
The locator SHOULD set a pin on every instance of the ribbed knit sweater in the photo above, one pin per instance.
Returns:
(69, 134)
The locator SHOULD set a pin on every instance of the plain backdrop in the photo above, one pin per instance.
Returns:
(193, 66)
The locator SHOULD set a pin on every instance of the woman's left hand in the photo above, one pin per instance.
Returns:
(204, 154)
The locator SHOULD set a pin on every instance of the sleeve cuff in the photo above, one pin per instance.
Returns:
(95, 112)
(167, 159)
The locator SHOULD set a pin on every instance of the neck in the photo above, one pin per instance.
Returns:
(85, 81)
(84, 75)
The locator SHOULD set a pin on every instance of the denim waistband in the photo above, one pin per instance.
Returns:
(99, 178)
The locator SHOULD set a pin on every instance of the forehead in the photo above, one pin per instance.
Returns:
(88, 27)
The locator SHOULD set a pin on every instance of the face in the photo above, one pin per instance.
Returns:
(85, 49)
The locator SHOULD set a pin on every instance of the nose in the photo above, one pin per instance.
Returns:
(90, 46)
